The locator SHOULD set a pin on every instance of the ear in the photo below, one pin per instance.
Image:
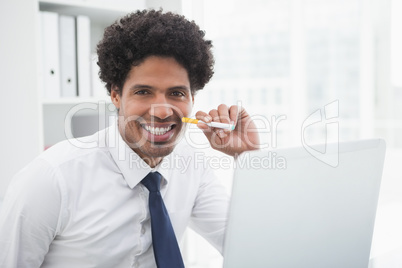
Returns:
(115, 97)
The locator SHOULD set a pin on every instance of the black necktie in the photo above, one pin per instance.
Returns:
(166, 250)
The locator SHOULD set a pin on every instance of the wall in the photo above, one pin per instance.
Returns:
(20, 136)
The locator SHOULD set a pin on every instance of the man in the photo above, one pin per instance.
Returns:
(88, 206)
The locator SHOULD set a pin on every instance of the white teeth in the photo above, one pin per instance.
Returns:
(157, 130)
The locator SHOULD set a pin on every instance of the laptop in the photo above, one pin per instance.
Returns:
(296, 208)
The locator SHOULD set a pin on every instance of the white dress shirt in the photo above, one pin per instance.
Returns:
(82, 205)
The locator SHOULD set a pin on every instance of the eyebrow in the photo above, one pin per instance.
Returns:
(180, 87)
(142, 86)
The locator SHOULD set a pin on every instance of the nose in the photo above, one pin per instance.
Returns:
(161, 108)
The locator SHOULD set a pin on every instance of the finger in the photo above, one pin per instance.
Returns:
(233, 114)
(221, 133)
(203, 116)
(207, 130)
(216, 118)
(212, 137)
(223, 113)
(214, 115)
(200, 115)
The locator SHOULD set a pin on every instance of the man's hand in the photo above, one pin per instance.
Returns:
(232, 142)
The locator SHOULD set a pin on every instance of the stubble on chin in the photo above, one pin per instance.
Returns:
(145, 148)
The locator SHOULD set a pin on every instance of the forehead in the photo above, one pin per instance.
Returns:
(157, 70)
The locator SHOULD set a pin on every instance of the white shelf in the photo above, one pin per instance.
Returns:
(103, 13)
(85, 112)
(72, 101)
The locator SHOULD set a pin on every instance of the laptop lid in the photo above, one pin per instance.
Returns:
(290, 208)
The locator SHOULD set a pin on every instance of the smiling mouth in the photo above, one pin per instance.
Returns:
(158, 131)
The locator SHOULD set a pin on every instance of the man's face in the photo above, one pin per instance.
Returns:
(154, 98)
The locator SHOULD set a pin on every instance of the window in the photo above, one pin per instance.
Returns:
(292, 57)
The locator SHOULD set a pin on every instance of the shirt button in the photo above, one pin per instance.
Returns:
(136, 264)
(142, 230)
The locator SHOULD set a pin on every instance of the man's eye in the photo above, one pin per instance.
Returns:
(141, 92)
(178, 94)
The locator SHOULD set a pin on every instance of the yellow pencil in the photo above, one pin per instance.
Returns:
(211, 124)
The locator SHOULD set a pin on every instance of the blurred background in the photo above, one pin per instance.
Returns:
(283, 60)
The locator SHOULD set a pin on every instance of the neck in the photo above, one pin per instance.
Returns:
(151, 161)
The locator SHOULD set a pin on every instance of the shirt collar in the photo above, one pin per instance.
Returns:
(131, 165)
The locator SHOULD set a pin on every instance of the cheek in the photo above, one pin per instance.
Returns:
(188, 106)
(134, 108)
(189, 109)
(185, 109)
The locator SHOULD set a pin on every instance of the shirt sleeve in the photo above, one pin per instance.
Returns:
(210, 212)
(29, 218)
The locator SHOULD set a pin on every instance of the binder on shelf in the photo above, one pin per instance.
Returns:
(83, 31)
(68, 63)
(50, 54)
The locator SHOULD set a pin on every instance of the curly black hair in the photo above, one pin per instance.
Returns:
(131, 39)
